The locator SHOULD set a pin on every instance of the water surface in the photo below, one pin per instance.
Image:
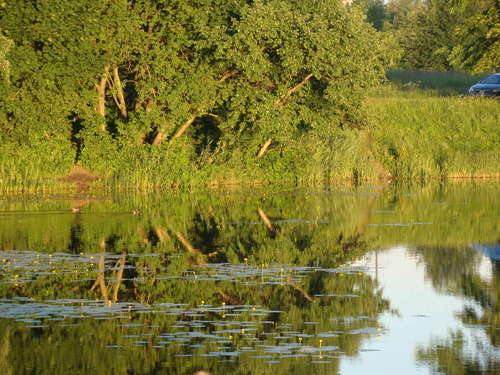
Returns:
(333, 280)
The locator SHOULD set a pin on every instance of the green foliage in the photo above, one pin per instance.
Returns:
(427, 36)
(478, 49)
(173, 93)
(203, 81)
(345, 156)
(446, 35)
(376, 12)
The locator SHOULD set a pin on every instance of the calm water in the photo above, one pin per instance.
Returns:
(323, 280)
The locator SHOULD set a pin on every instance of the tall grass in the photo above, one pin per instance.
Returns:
(424, 135)
(346, 156)
(25, 177)
(442, 83)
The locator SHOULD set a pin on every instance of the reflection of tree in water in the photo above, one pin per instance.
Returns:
(446, 267)
(4, 352)
(161, 258)
(455, 270)
(174, 253)
(455, 356)
(334, 312)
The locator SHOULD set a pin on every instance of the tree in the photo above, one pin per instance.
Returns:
(447, 35)
(428, 35)
(376, 12)
(300, 70)
(478, 49)
(118, 81)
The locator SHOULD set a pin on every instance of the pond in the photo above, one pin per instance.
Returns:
(347, 280)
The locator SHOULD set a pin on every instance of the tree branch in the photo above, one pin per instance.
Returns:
(264, 147)
(228, 75)
(300, 290)
(281, 102)
(190, 248)
(266, 221)
(292, 90)
(185, 126)
(188, 123)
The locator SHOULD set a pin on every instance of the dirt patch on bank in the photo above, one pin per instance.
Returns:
(80, 176)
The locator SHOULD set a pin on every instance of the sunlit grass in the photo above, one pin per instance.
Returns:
(27, 178)
(419, 134)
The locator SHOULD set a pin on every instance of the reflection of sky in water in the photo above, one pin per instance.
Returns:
(423, 314)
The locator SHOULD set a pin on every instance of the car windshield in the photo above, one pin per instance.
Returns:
(492, 79)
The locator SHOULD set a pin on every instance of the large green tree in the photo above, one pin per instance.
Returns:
(109, 82)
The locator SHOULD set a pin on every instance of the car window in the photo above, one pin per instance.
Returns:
(491, 79)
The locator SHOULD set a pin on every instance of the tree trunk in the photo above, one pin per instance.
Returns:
(101, 96)
(120, 265)
(101, 279)
(191, 249)
(160, 137)
(162, 234)
(120, 96)
(266, 221)
(142, 138)
(185, 126)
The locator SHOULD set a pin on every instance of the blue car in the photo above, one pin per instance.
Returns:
(489, 86)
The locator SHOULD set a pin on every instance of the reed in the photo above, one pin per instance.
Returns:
(22, 177)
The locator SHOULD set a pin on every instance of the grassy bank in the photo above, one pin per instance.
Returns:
(419, 134)
(418, 126)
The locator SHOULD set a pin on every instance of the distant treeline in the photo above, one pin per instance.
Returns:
(442, 35)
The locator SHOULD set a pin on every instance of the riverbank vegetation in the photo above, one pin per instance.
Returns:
(172, 94)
